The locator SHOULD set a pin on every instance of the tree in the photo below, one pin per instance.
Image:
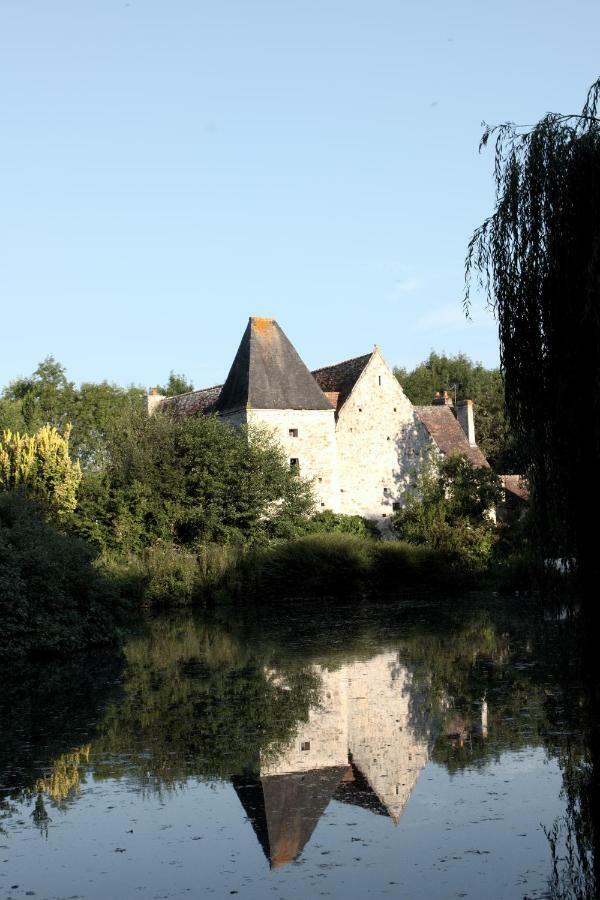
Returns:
(537, 257)
(47, 397)
(467, 380)
(41, 466)
(190, 482)
(448, 510)
(177, 384)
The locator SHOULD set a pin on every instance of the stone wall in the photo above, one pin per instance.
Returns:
(322, 741)
(364, 710)
(380, 443)
(314, 447)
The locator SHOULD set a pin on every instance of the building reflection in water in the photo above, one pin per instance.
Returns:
(357, 747)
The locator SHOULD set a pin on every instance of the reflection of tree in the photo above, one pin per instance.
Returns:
(47, 711)
(196, 703)
(200, 699)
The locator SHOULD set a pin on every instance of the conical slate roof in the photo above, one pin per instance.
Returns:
(285, 809)
(267, 373)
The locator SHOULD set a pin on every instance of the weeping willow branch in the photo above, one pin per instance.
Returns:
(537, 261)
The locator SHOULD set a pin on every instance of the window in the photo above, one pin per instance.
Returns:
(320, 479)
(295, 465)
(305, 745)
(322, 504)
(396, 507)
(293, 432)
(380, 381)
(385, 515)
(395, 410)
(360, 408)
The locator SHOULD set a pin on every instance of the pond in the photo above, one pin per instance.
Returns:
(423, 750)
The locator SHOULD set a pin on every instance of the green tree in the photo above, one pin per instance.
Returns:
(44, 398)
(48, 398)
(537, 258)
(177, 384)
(467, 380)
(449, 510)
(190, 482)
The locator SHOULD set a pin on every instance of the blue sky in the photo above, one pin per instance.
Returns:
(170, 167)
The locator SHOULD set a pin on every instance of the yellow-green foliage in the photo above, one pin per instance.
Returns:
(64, 777)
(40, 464)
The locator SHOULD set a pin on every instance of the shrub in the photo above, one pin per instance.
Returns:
(318, 565)
(449, 511)
(40, 465)
(52, 599)
(328, 521)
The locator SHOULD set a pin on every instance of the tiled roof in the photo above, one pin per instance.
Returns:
(336, 383)
(516, 485)
(184, 405)
(341, 377)
(443, 426)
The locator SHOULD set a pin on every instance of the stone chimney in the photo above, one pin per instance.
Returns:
(153, 399)
(464, 414)
(442, 399)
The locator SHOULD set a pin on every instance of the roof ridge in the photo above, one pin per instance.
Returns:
(195, 391)
(343, 362)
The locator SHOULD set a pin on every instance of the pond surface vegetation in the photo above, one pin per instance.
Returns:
(428, 750)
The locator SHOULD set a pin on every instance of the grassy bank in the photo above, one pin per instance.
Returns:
(317, 566)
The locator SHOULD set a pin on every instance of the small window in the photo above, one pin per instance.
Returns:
(322, 504)
(320, 479)
(360, 408)
(295, 465)
(380, 381)
(293, 432)
(305, 745)
(385, 515)
(396, 507)
(395, 410)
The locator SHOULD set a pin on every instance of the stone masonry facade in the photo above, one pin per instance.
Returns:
(349, 428)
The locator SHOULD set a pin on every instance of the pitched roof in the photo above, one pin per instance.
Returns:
(267, 373)
(284, 809)
(516, 486)
(444, 428)
(184, 405)
(341, 377)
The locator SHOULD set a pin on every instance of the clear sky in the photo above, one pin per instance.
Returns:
(170, 167)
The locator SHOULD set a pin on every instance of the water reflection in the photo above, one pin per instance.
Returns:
(304, 715)
(357, 746)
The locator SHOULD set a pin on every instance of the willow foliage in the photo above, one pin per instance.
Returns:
(537, 257)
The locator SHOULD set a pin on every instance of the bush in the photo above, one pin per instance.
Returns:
(317, 565)
(52, 599)
(341, 566)
(166, 575)
(328, 521)
(449, 511)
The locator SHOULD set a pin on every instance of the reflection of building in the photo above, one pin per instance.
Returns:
(357, 747)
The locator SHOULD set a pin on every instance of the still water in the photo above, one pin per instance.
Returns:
(428, 751)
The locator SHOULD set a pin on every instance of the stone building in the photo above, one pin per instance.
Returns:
(349, 427)
(359, 746)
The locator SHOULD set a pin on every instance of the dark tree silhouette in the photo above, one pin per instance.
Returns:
(537, 257)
